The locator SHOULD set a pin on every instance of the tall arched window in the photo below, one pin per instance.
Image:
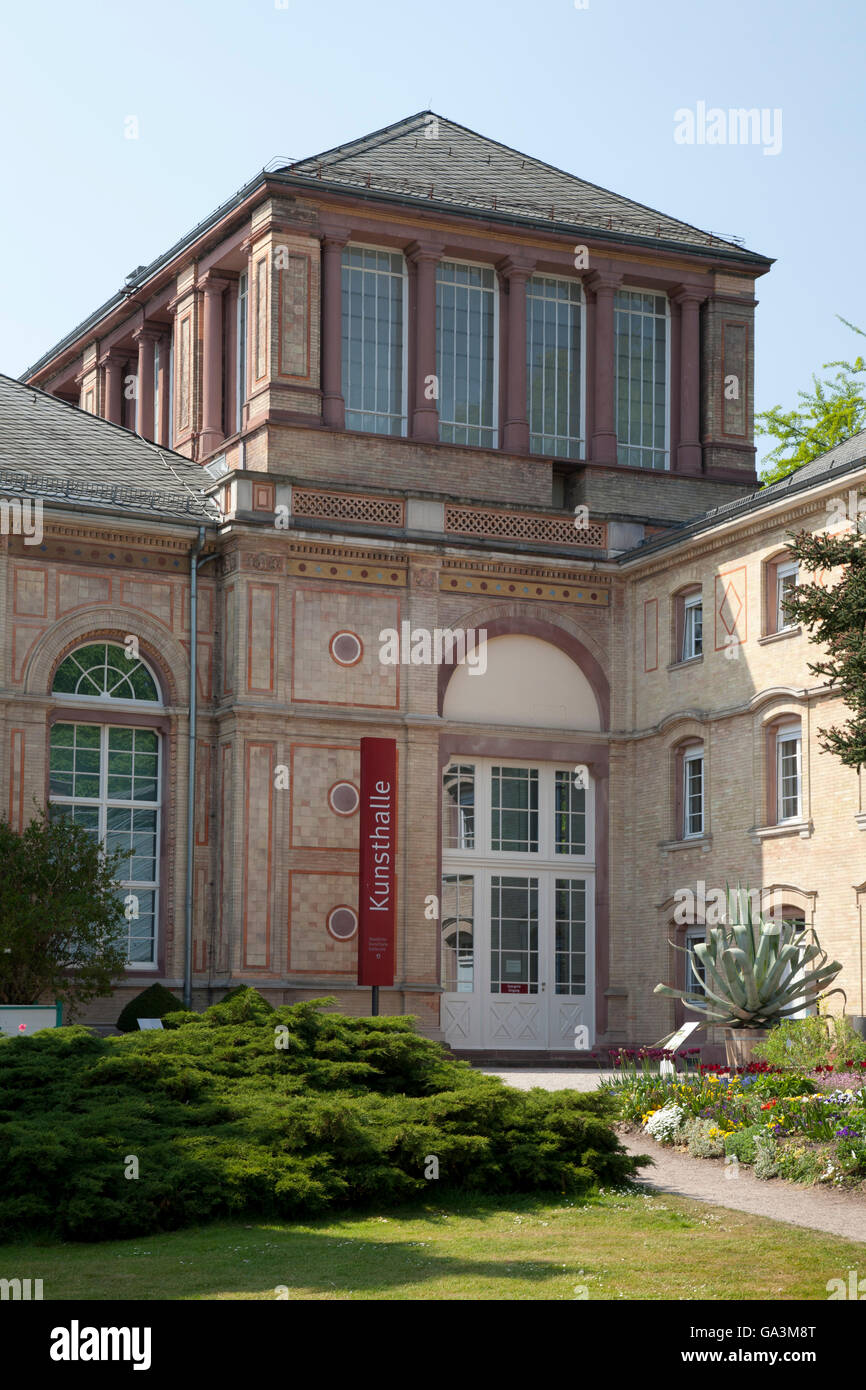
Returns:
(106, 775)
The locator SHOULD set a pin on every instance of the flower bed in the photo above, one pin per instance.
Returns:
(805, 1125)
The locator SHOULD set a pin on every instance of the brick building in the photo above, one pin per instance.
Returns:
(423, 382)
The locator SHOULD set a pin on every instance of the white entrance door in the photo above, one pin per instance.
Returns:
(517, 922)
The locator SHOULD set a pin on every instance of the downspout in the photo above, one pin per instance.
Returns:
(190, 792)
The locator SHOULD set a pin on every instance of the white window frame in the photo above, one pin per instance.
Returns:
(580, 305)
(693, 755)
(789, 570)
(454, 424)
(545, 856)
(692, 603)
(70, 697)
(404, 365)
(638, 289)
(786, 734)
(103, 803)
(693, 983)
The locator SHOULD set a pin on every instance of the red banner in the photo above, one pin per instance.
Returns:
(378, 835)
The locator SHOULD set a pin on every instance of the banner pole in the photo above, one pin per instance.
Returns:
(375, 989)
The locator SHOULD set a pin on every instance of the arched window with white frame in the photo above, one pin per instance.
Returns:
(106, 774)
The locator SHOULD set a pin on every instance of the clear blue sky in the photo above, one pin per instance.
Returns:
(219, 88)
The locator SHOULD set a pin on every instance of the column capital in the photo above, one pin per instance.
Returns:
(212, 283)
(689, 294)
(418, 251)
(114, 357)
(334, 234)
(600, 280)
(516, 267)
(148, 333)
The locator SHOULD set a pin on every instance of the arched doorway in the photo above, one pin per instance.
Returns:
(520, 852)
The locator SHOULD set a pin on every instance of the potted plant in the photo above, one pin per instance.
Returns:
(755, 972)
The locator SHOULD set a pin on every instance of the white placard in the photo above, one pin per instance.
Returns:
(673, 1044)
(150, 1023)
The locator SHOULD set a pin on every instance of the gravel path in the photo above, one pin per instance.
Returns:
(704, 1180)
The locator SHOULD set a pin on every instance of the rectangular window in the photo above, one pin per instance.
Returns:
(458, 933)
(513, 935)
(641, 373)
(786, 580)
(458, 807)
(693, 794)
(374, 340)
(107, 779)
(514, 810)
(570, 895)
(570, 813)
(693, 628)
(788, 774)
(695, 968)
(466, 321)
(241, 383)
(554, 373)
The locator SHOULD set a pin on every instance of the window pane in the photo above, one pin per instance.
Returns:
(553, 359)
(373, 317)
(514, 809)
(570, 897)
(570, 815)
(513, 935)
(458, 929)
(465, 310)
(640, 378)
(103, 669)
(458, 807)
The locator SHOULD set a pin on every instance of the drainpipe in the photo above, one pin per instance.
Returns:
(190, 793)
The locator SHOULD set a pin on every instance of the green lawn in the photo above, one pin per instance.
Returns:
(628, 1246)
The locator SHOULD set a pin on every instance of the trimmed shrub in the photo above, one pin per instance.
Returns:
(704, 1138)
(741, 1143)
(271, 1113)
(154, 1002)
(766, 1156)
(806, 1043)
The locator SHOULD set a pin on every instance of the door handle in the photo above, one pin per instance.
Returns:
(543, 986)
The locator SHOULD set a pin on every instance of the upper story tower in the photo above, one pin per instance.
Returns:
(429, 311)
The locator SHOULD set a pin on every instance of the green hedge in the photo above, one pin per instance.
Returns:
(154, 1002)
(253, 1111)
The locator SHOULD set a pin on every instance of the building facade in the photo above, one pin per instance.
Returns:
(424, 385)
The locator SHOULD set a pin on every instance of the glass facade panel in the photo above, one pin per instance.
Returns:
(374, 308)
(458, 933)
(553, 366)
(465, 353)
(514, 810)
(641, 378)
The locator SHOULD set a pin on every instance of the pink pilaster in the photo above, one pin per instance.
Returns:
(515, 434)
(604, 284)
(333, 405)
(112, 363)
(164, 387)
(212, 364)
(689, 452)
(425, 257)
(145, 338)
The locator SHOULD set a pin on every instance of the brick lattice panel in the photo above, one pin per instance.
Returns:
(523, 526)
(344, 506)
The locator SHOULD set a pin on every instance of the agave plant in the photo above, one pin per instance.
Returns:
(755, 970)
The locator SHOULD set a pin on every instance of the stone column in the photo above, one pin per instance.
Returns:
(333, 405)
(212, 364)
(163, 425)
(515, 434)
(689, 453)
(604, 284)
(112, 363)
(425, 257)
(145, 424)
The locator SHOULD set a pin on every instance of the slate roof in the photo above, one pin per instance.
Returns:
(51, 449)
(465, 170)
(847, 457)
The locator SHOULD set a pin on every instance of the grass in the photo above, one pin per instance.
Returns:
(617, 1245)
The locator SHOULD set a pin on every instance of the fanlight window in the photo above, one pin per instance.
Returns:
(104, 671)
